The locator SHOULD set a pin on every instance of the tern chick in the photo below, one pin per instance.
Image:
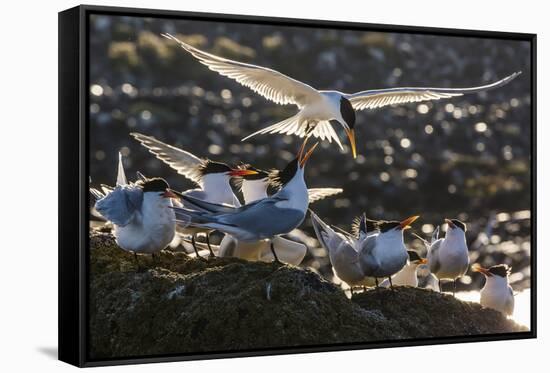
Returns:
(407, 276)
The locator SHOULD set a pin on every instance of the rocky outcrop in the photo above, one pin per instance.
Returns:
(176, 304)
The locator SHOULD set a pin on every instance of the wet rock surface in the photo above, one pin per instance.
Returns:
(176, 304)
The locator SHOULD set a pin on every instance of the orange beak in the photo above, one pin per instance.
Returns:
(306, 156)
(477, 268)
(351, 137)
(406, 224)
(168, 193)
(422, 261)
(238, 172)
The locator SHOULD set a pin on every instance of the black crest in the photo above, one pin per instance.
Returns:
(347, 111)
(459, 224)
(367, 225)
(386, 226)
(413, 255)
(154, 185)
(211, 167)
(501, 270)
(280, 178)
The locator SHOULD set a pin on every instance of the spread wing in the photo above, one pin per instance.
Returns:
(121, 205)
(296, 126)
(183, 162)
(377, 98)
(266, 82)
(317, 194)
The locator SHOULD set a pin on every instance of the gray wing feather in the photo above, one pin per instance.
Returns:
(121, 175)
(435, 235)
(368, 262)
(317, 194)
(266, 82)
(509, 306)
(120, 205)
(183, 162)
(264, 217)
(325, 234)
(433, 256)
(377, 98)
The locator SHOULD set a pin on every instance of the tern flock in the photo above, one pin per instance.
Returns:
(147, 215)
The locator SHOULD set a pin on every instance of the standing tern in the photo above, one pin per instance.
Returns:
(497, 292)
(259, 220)
(344, 250)
(255, 187)
(407, 276)
(141, 213)
(317, 108)
(448, 257)
(385, 253)
(212, 178)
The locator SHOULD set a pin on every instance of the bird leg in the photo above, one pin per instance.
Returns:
(194, 243)
(274, 254)
(391, 284)
(439, 284)
(137, 262)
(153, 257)
(376, 280)
(209, 247)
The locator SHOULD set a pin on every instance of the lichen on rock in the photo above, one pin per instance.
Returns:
(176, 304)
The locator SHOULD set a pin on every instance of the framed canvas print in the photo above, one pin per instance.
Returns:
(249, 186)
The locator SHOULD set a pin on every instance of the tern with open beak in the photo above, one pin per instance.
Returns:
(212, 178)
(141, 212)
(318, 108)
(497, 292)
(263, 219)
(407, 276)
(448, 257)
(253, 188)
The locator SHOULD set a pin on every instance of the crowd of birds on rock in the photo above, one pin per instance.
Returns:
(147, 215)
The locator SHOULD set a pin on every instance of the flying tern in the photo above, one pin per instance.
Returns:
(212, 178)
(141, 212)
(259, 220)
(317, 108)
(497, 292)
(448, 257)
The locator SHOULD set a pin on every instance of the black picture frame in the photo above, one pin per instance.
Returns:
(73, 176)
